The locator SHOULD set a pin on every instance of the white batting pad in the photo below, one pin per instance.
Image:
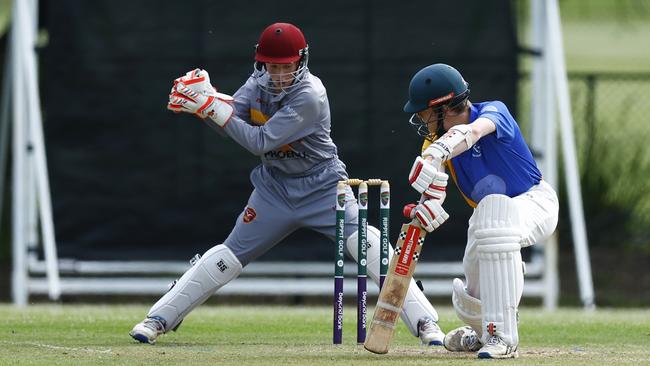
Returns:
(467, 308)
(416, 305)
(373, 247)
(498, 237)
(217, 267)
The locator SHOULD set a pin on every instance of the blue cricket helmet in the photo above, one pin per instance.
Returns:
(435, 86)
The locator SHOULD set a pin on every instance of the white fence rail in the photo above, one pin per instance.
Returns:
(261, 278)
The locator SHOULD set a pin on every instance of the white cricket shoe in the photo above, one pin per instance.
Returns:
(497, 348)
(463, 339)
(148, 330)
(430, 333)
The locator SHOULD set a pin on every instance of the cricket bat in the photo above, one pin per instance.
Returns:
(391, 297)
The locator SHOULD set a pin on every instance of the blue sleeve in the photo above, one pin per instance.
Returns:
(292, 122)
(497, 112)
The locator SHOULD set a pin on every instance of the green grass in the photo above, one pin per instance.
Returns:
(606, 46)
(598, 35)
(5, 13)
(231, 335)
(598, 10)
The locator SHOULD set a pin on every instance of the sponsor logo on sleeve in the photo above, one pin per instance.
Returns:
(291, 113)
(249, 215)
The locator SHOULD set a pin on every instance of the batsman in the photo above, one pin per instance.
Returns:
(481, 146)
(282, 115)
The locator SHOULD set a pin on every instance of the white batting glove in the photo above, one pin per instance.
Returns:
(437, 152)
(428, 180)
(218, 107)
(430, 214)
(421, 174)
(437, 190)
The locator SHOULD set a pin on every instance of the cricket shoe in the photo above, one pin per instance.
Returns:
(495, 347)
(430, 333)
(148, 330)
(463, 339)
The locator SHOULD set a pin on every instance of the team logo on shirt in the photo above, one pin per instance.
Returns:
(285, 154)
(249, 215)
(476, 151)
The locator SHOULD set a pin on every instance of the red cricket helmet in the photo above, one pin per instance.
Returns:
(281, 43)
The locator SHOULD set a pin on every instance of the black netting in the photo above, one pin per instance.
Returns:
(131, 180)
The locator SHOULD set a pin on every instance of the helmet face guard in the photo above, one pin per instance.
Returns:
(438, 110)
(266, 82)
(280, 43)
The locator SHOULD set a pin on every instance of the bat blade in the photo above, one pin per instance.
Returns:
(391, 297)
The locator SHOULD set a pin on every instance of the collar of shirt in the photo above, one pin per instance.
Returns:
(473, 113)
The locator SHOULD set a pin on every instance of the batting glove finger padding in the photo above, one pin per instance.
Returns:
(438, 188)
(422, 174)
(408, 212)
(430, 214)
(437, 151)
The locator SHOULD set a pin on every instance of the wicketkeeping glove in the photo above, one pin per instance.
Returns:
(218, 107)
(197, 80)
(429, 213)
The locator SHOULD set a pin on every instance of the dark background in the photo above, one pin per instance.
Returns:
(131, 180)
